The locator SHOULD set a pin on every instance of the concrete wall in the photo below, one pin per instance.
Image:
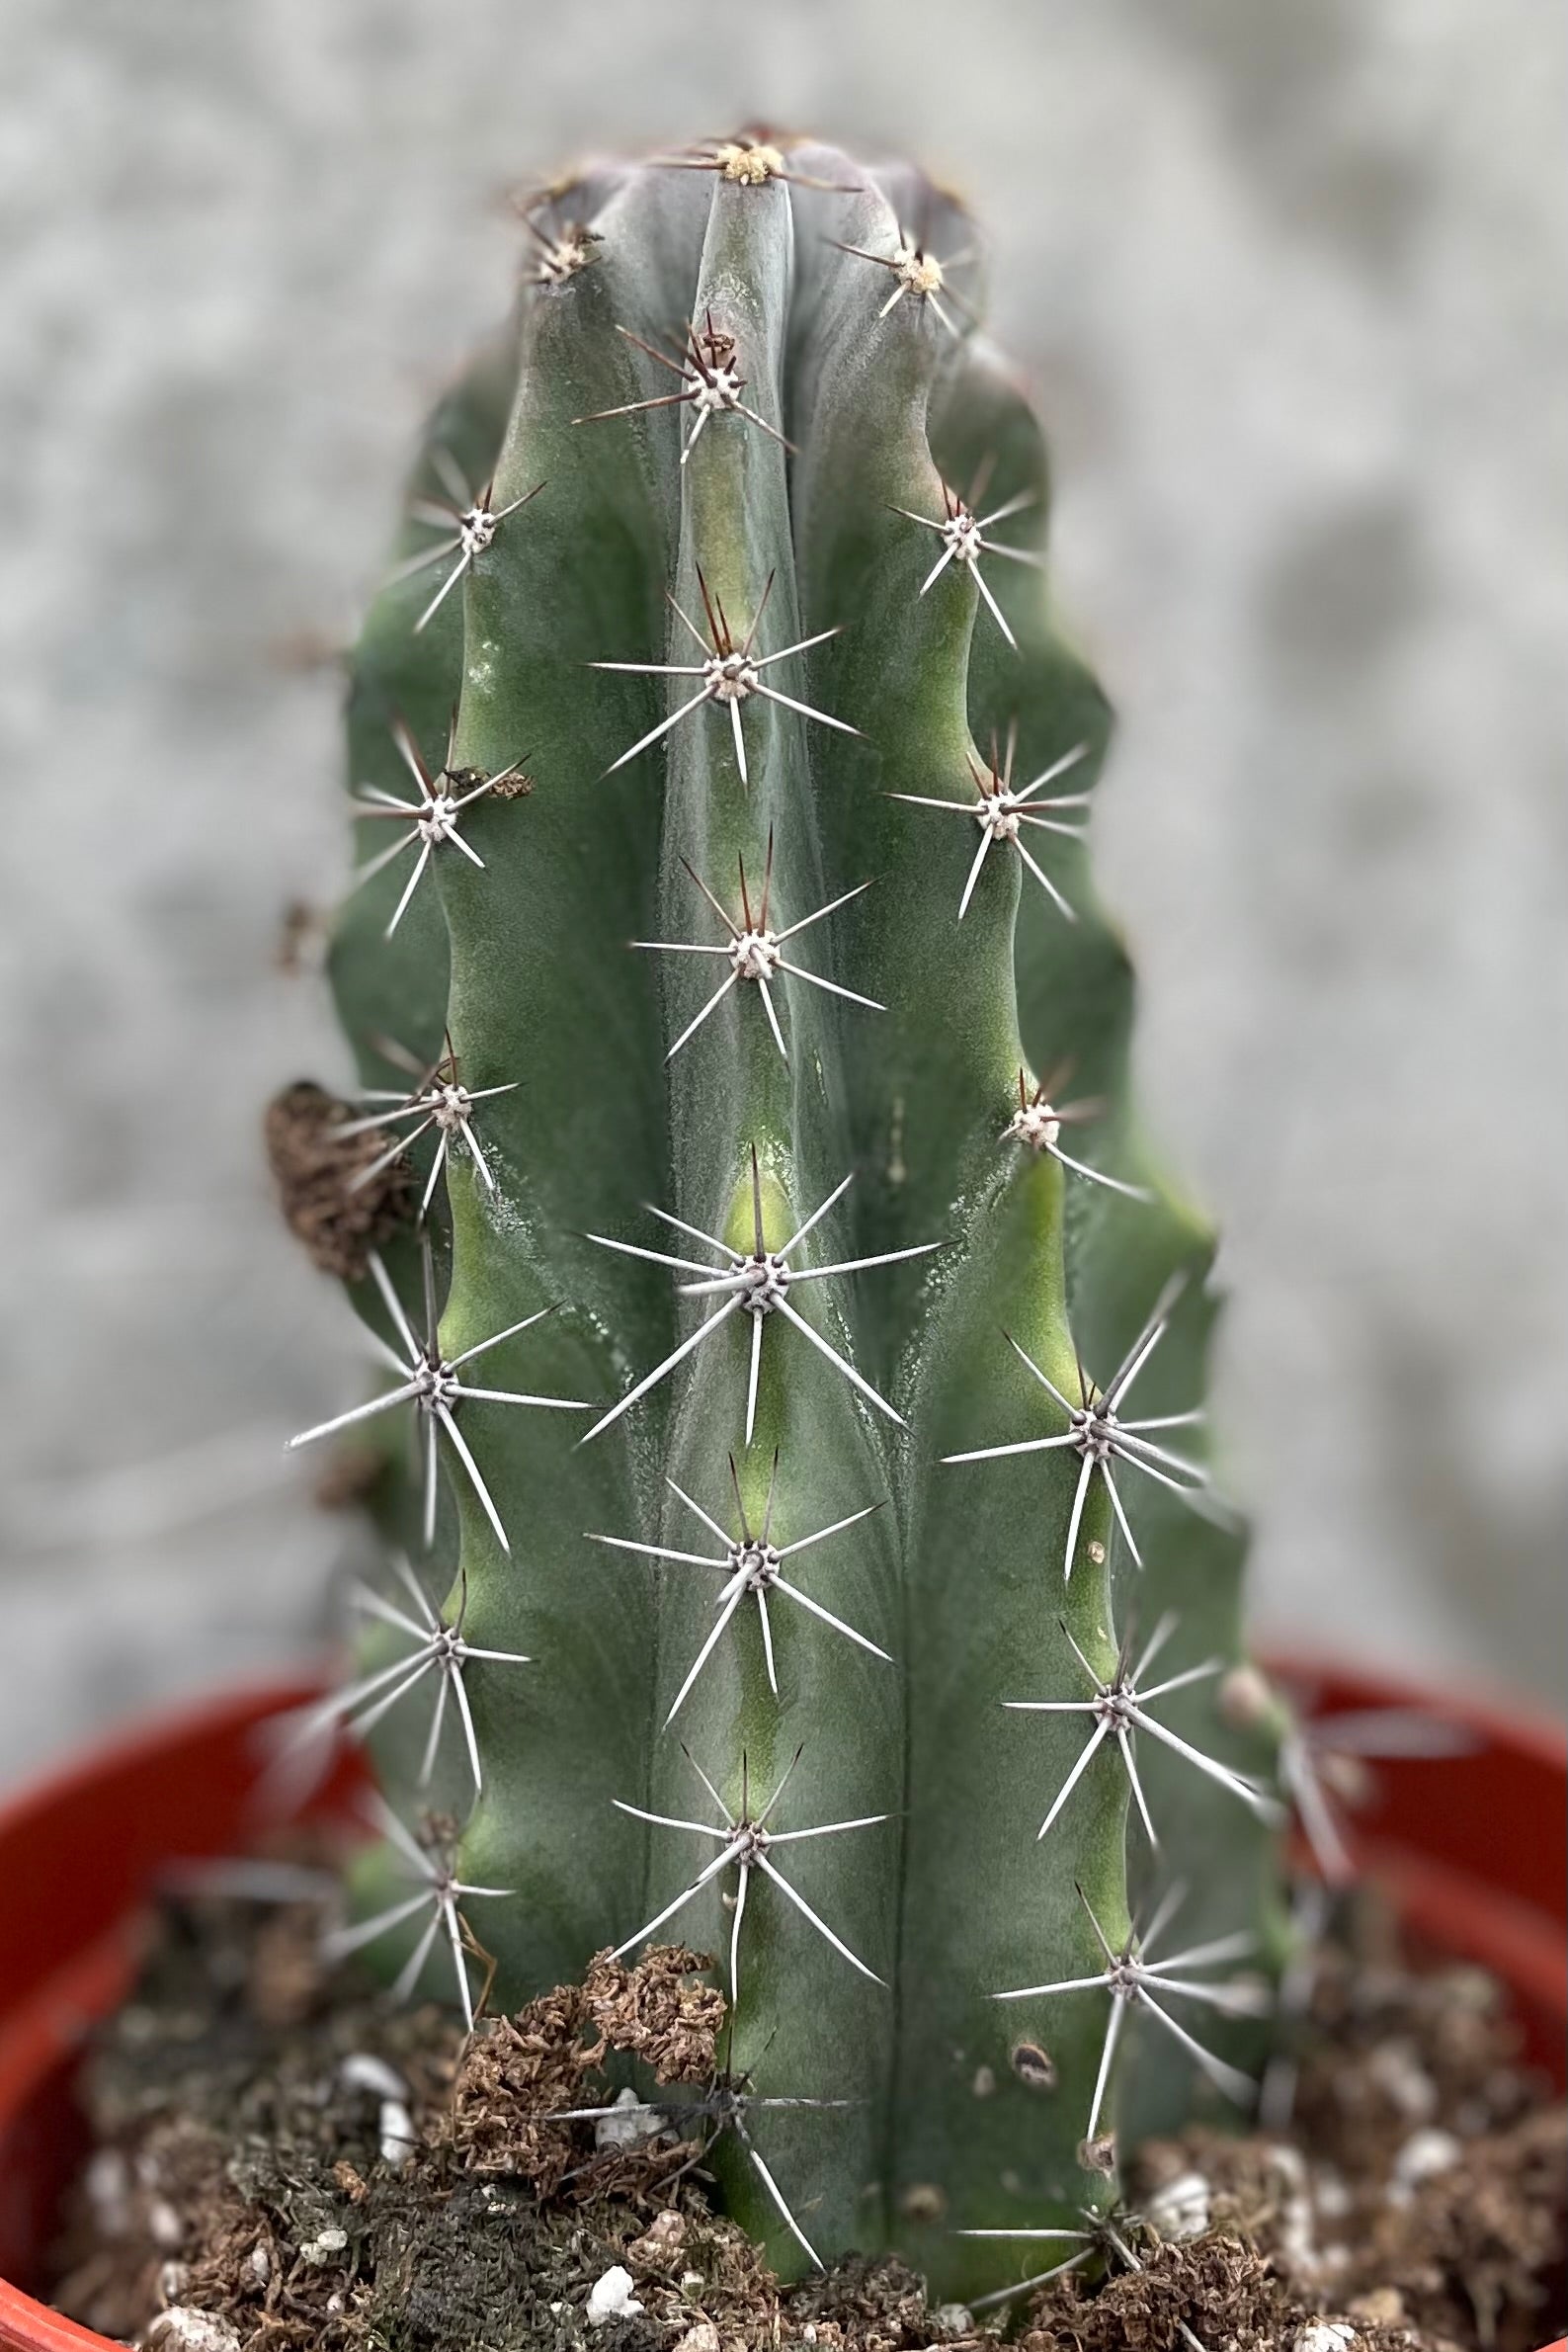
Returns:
(1287, 274)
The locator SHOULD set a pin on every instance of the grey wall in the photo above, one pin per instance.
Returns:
(1288, 275)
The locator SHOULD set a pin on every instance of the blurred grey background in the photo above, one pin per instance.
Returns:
(1288, 276)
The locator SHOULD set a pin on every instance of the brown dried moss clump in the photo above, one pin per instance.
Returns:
(314, 1166)
(1221, 2288)
(519, 2071)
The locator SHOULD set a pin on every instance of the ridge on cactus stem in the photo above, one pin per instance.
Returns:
(964, 541)
(710, 360)
(438, 1648)
(744, 1841)
(759, 1283)
(1003, 813)
(735, 398)
(1037, 1124)
(756, 953)
(559, 255)
(468, 523)
(919, 273)
(439, 1100)
(429, 1381)
(731, 672)
(1120, 1708)
(750, 1564)
(432, 819)
(751, 163)
(1099, 1435)
(1131, 1976)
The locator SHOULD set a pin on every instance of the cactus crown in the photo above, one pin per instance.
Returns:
(811, 1562)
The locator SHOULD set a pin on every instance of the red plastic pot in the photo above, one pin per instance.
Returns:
(1471, 1848)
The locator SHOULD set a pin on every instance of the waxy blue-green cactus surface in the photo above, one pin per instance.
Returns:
(756, 1003)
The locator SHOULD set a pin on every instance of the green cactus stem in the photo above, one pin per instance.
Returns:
(724, 946)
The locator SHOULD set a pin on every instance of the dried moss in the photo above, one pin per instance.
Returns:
(314, 1166)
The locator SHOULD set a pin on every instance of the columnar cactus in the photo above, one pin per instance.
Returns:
(808, 1577)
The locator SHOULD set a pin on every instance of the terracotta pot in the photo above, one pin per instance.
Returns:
(1470, 1849)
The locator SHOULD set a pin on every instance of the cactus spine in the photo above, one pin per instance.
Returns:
(801, 1686)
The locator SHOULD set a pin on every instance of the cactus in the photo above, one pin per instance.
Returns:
(724, 946)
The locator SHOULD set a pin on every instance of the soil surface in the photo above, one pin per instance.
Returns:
(286, 2163)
